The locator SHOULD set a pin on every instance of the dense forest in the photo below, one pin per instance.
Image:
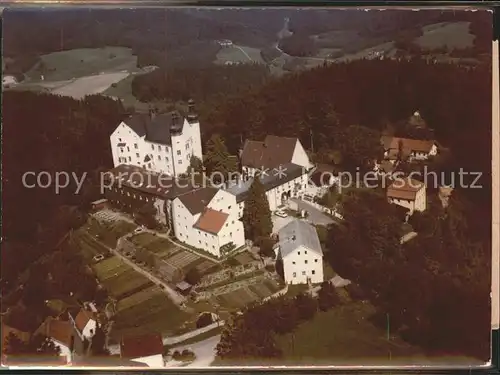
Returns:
(47, 133)
(185, 37)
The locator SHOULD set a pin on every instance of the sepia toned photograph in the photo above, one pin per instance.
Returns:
(196, 187)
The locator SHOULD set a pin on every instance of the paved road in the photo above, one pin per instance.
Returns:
(315, 215)
(204, 351)
(174, 296)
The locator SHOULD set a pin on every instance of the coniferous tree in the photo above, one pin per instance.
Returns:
(98, 346)
(327, 296)
(256, 213)
(219, 163)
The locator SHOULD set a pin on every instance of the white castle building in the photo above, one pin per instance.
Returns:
(163, 143)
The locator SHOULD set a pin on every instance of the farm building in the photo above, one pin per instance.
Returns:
(408, 193)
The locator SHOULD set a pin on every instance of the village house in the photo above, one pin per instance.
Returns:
(84, 323)
(146, 349)
(60, 332)
(272, 153)
(408, 149)
(163, 143)
(299, 250)
(408, 193)
(205, 219)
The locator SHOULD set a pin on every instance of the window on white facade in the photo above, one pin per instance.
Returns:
(199, 241)
(178, 152)
(159, 157)
(315, 261)
(121, 149)
(128, 148)
(298, 253)
(149, 165)
(135, 146)
(152, 147)
(180, 161)
(295, 274)
(293, 262)
(305, 261)
(159, 148)
(313, 272)
(303, 273)
(137, 154)
(119, 139)
(305, 251)
(166, 158)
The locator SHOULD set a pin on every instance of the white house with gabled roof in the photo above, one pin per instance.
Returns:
(299, 249)
(205, 219)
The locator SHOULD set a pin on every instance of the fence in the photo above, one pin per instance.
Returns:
(279, 293)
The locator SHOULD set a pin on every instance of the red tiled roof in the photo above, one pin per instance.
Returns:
(411, 145)
(141, 346)
(83, 318)
(271, 153)
(211, 221)
(404, 189)
(58, 330)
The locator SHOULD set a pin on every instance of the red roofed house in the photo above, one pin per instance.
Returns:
(146, 349)
(60, 332)
(85, 323)
(208, 219)
(411, 148)
(408, 193)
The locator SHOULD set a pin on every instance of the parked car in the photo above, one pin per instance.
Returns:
(281, 214)
(98, 258)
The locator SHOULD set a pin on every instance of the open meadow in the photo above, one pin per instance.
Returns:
(239, 54)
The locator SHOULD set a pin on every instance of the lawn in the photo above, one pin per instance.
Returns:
(76, 63)
(108, 267)
(450, 34)
(351, 340)
(138, 298)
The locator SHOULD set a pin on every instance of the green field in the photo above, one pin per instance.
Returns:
(239, 54)
(245, 295)
(66, 65)
(123, 91)
(351, 339)
(453, 35)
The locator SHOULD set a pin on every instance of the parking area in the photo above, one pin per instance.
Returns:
(280, 222)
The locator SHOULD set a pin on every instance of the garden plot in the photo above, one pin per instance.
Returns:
(125, 282)
(156, 314)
